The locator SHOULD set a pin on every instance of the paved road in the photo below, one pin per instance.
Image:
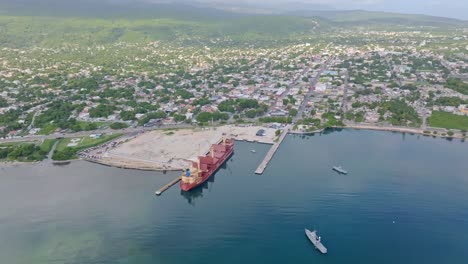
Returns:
(313, 82)
(393, 73)
(33, 120)
(294, 83)
(345, 94)
(87, 133)
(52, 150)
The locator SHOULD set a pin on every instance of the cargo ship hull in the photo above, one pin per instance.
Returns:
(207, 165)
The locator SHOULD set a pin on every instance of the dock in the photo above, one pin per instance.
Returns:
(167, 186)
(272, 151)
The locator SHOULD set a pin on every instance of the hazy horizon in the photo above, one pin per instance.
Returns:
(450, 8)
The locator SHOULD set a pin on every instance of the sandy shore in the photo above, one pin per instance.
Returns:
(17, 163)
(173, 150)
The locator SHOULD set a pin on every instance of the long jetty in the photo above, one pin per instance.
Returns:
(167, 186)
(261, 168)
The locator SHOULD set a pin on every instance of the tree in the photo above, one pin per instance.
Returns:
(204, 117)
(251, 113)
(127, 115)
(184, 94)
(201, 101)
(227, 106)
(118, 125)
(293, 112)
(102, 110)
(179, 118)
(457, 85)
(90, 126)
(65, 154)
(247, 103)
(3, 102)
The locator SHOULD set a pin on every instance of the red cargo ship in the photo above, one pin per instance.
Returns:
(207, 165)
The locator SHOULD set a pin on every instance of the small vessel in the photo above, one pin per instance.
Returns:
(316, 240)
(339, 169)
(253, 151)
(206, 165)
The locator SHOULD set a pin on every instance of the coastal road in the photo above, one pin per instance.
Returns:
(87, 133)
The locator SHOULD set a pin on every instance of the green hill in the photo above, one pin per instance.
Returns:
(25, 23)
(362, 17)
(23, 31)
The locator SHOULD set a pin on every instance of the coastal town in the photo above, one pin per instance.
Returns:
(414, 82)
(233, 131)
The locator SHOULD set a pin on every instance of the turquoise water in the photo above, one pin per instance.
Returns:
(404, 201)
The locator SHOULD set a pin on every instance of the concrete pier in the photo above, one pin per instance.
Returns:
(272, 151)
(167, 186)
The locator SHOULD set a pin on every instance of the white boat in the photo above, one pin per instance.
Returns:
(316, 240)
(253, 151)
(340, 170)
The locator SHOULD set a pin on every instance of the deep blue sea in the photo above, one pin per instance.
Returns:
(405, 200)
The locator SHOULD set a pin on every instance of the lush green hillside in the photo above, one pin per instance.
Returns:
(23, 31)
(361, 17)
(48, 23)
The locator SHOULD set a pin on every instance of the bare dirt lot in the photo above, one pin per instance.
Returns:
(173, 150)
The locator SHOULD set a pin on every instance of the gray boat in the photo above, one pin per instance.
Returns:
(315, 239)
(339, 170)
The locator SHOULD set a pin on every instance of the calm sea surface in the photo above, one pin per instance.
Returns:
(404, 201)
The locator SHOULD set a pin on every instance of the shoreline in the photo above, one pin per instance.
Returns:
(419, 131)
(147, 167)
(161, 167)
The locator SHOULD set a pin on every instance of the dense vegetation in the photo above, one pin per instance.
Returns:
(272, 119)
(118, 125)
(22, 152)
(205, 117)
(450, 101)
(249, 107)
(63, 152)
(3, 102)
(402, 113)
(151, 116)
(457, 85)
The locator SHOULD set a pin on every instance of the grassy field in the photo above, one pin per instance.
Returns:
(448, 120)
(86, 142)
(47, 129)
(21, 151)
(63, 152)
(50, 128)
(10, 144)
(47, 145)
